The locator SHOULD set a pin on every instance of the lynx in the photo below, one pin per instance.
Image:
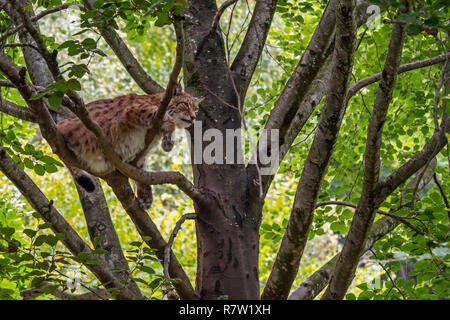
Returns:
(125, 121)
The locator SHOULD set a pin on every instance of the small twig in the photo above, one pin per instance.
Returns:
(307, 136)
(389, 275)
(14, 45)
(7, 84)
(393, 21)
(441, 190)
(219, 13)
(437, 95)
(402, 219)
(40, 16)
(227, 34)
(168, 247)
(419, 178)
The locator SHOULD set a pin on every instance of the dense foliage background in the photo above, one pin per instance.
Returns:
(39, 255)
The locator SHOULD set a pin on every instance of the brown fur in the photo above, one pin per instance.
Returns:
(125, 121)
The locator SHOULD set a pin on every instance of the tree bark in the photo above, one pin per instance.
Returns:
(227, 224)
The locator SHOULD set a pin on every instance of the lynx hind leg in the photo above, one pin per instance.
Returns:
(168, 129)
(144, 195)
(143, 191)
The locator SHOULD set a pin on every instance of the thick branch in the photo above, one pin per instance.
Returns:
(176, 69)
(306, 86)
(311, 287)
(49, 213)
(126, 57)
(146, 227)
(294, 241)
(17, 111)
(365, 213)
(430, 150)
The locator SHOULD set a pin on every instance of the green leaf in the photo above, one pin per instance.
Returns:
(51, 240)
(39, 169)
(40, 240)
(83, 256)
(97, 240)
(73, 84)
(45, 225)
(155, 283)
(89, 43)
(55, 99)
(147, 270)
(28, 163)
(29, 232)
(50, 289)
(100, 251)
(50, 168)
(7, 232)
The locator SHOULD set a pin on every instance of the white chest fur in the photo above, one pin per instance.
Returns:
(132, 144)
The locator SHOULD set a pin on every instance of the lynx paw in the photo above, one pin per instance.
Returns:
(167, 144)
(145, 203)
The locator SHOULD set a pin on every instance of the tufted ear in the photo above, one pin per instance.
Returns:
(178, 90)
(198, 100)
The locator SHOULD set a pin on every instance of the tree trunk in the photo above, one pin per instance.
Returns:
(228, 223)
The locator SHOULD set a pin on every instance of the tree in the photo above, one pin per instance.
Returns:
(228, 195)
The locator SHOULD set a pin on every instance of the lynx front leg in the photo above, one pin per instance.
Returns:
(168, 128)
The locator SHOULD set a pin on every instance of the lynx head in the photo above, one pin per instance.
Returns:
(183, 109)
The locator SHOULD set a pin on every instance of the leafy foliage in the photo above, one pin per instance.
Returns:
(30, 254)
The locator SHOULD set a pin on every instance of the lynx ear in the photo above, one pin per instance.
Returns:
(198, 100)
(178, 90)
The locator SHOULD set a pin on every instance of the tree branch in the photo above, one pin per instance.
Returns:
(147, 228)
(430, 150)
(168, 94)
(41, 15)
(168, 248)
(315, 283)
(247, 58)
(126, 57)
(441, 191)
(81, 111)
(311, 287)
(389, 214)
(365, 213)
(219, 13)
(307, 84)
(17, 111)
(49, 213)
(403, 68)
(294, 241)
(94, 294)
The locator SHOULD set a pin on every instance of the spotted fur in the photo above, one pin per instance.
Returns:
(125, 121)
